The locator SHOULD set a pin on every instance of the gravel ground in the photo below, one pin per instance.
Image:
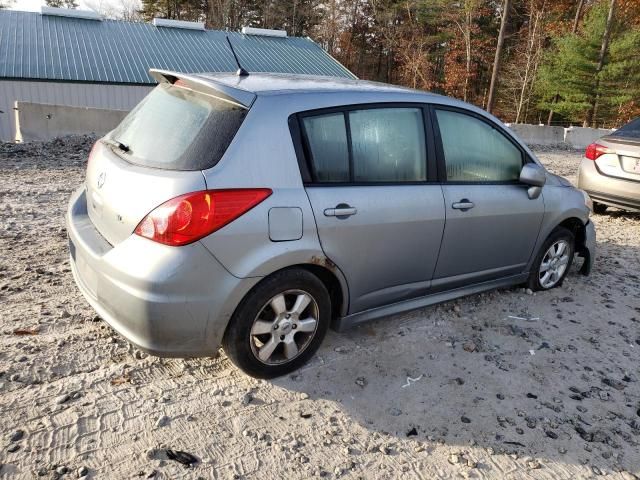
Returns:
(498, 385)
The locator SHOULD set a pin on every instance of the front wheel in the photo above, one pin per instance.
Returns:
(279, 325)
(553, 261)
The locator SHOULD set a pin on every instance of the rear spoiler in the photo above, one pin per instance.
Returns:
(237, 96)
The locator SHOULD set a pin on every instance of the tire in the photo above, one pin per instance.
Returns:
(257, 329)
(599, 208)
(537, 279)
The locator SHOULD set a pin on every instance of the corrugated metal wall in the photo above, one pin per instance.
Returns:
(116, 97)
(34, 46)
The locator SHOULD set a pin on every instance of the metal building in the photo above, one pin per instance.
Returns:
(76, 58)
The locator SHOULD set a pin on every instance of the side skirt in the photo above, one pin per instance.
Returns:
(343, 323)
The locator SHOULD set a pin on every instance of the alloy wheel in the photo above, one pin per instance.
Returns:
(284, 327)
(554, 264)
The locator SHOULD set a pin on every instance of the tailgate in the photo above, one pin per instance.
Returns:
(120, 194)
(622, 162)
(157, 153)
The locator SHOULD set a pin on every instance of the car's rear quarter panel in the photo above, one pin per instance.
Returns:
(262, 156)
(168, 301)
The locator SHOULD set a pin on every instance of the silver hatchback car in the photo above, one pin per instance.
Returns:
(257, 211)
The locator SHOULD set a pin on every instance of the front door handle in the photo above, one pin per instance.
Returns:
(463, 205)
(342, 210)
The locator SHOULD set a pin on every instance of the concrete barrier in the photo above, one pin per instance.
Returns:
(574, 137)
(538, 134)
(39, 121)
(580, 137)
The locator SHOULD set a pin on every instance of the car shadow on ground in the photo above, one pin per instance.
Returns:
(551, 376)
(623, 214)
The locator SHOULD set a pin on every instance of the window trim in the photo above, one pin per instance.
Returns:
(347, 128)
(441, 161)
(304, 156)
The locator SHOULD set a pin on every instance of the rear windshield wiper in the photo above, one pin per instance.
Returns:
(119, 145)
(125, 148)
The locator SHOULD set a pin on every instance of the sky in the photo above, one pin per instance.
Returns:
(34, 5)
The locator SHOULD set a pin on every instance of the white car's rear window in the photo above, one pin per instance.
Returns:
(630, 130)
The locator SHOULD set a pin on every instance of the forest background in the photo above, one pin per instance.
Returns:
(556, 62)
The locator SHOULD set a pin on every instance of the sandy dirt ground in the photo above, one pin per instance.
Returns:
(498, 385)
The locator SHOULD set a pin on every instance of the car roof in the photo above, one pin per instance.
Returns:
(243, 89)
(275, 83)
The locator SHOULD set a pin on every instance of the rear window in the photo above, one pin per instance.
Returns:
(630, 130)
(176, 128)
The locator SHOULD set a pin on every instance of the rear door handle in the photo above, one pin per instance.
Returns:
(463, 205)
(340, 211)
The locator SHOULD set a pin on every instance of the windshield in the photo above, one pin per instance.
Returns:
(177, 128)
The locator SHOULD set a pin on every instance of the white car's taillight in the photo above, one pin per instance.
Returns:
(595, 150)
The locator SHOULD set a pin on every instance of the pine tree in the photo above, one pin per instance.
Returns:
(592, 77)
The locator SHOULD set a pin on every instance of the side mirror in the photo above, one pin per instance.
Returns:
(534, 175)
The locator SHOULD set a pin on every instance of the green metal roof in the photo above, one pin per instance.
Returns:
(44, 47)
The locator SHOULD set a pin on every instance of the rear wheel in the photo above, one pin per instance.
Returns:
(599, 208)
(279, 325)
(553, 261)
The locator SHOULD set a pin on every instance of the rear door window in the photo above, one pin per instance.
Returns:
(177, 128)
(327, 137)
(388, 145)
(370, 145)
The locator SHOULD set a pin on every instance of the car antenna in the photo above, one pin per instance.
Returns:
(241, 72)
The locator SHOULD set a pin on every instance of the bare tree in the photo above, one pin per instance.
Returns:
(228, 14)
(531, 57)
(333, 24)
(465, 27)
(591, 118)
(127, 10)
(498, 57)
(103, 7)
(130, 10)
(62, 3)
(576, 20)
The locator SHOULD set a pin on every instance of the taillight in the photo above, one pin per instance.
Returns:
(595, 150)
(187, 218)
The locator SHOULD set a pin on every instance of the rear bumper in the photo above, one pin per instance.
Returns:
(617, 192)
(168, 301)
